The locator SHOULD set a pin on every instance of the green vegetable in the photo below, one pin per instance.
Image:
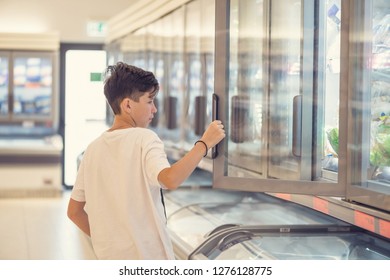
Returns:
(333, 138)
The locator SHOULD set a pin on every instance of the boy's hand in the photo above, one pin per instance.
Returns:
(213, 134)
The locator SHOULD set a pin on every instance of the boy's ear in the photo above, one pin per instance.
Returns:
(125, 105)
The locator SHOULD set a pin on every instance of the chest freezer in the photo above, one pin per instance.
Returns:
(194, 223)
(297, 242)
(31, 166)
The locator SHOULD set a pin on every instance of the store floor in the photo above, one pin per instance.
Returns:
(38, 229)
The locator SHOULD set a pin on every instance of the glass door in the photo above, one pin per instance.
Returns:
(32, 85)
(245, 84)
(288, 94)
(271, 83)
(305, 98)
(370, 92)
(28, 95)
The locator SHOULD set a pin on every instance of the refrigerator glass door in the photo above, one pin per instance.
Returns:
(370, 159)
(32, 86)
(279, 97)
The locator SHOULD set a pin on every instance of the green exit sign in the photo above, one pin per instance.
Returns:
(96, 28)
(96, 77)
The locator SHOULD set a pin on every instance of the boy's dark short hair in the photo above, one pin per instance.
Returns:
(127, 81)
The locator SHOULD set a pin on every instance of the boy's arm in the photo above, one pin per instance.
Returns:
(77, 215)
(173, 176)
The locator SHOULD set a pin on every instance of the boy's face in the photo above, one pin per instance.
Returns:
(143, 111)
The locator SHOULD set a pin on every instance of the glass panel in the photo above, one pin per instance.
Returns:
(207, 55)
(270, 100)
(285, 87)
(331, 89)
(4, 85)
(245, 85)
(140, 51)
(330, 246)
(133, 47)
(194, 126)
(282, 104)
(159, 73)
(158, 54)
(173, 106)
(199, 40)
(380, 95)
(193, 222)
(32, 86)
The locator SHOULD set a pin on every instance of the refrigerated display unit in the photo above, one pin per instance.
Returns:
(300, 108)
(225, 225)
(319, 242)
(301, 88)
(29, 139)
(317, 125)
(28, 93)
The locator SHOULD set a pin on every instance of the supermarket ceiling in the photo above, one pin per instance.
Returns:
(70, 18)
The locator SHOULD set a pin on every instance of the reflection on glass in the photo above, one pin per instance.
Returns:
(209, 57)
(155, 58)
(304, 247)
(173, 106)
(199, 63)
(159, 73)
(332, 88)
(32, 86)
(245, 84)
(174, 101)
(194, 90)
(279, 66)
(3, 85)
(285, 85)
(193, 70)
(380, 94)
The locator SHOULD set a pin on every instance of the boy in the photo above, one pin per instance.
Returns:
(116, 199)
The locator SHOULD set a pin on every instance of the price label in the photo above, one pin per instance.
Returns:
(384, 228)
(365, 221)
(284, 196)
(321, 205)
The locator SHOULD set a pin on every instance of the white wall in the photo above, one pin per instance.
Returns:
(67, 17)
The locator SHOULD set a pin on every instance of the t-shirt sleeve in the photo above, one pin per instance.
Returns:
(155, 159)
(78, 192)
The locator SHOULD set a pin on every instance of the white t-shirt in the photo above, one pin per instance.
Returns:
(118, 180)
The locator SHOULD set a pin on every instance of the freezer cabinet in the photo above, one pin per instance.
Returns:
(194, 223)
(31, 166)
(299, 242)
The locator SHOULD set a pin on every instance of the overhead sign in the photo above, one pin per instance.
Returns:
(96, 29)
